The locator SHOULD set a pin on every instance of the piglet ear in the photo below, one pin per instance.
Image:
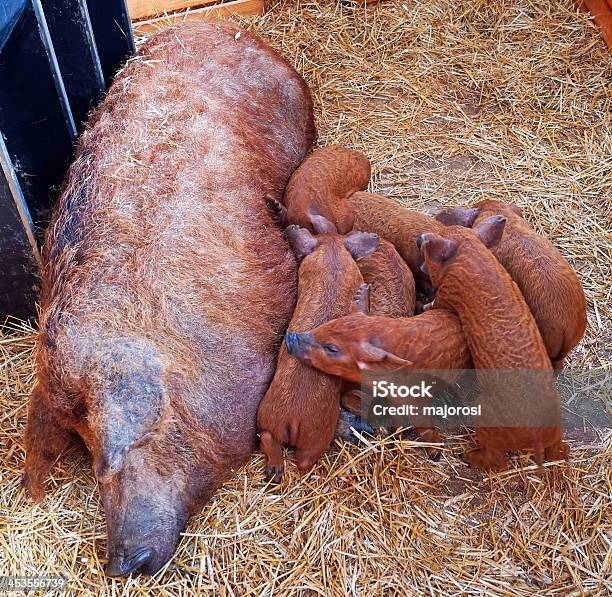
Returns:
(437, 248)
(321, 225)
(301, 241)
(491, 230)
(458, 216)
(361, 301)
(361, 244)
(127, 410)
(371, 355)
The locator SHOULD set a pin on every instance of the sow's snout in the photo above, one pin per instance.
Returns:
(299, 344)
(146, 513)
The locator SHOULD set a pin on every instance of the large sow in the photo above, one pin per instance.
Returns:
(167, 286)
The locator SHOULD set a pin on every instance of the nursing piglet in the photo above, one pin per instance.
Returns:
(550, 286)
(348, 346)
(300, 409)
(316, 196)
(398, 225)
(391, 282)
(392, 294)
(502, 336)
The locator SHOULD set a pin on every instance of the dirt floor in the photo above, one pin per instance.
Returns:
(452, 101)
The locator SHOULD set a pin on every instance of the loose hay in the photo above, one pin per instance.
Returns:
(453, 102)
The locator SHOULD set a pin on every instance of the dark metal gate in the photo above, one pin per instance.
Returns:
(56, 59)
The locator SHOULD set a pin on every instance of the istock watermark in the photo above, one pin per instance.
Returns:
(487, 398)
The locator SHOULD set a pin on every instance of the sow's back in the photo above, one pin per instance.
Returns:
(166, 284)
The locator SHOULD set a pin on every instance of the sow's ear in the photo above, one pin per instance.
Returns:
(127, 411)
(458, 216)
(437, 248)
(361, 301)
(301, 241)
(516, 209)
(370, 356)
(361, 244)
(491, 230)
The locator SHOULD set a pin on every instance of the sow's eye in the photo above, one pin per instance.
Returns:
(331, 349)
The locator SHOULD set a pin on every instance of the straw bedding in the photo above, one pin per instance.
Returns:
(453, 102)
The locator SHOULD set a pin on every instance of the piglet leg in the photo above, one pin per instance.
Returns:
(273, 452)
(351, 399)
(44, 441)
(486, 458)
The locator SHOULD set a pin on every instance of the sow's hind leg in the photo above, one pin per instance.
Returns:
(44, 441)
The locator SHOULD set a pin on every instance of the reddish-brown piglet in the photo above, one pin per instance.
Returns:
(300, 409)
(502, 336)
(358, 342)
(317, 193)
(550, 286)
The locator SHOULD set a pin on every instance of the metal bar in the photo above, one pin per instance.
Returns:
(76, 53)
(112, 29)
(55, 70)
(20, 262)
(32, 116)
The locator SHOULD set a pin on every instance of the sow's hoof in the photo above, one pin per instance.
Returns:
(273, 474)
(347, 420)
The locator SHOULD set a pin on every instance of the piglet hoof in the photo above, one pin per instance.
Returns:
(481, 458)
(273, 474)
(346, 420)
(277, 210)
(558, 451)
(34, 487)
(430, 436)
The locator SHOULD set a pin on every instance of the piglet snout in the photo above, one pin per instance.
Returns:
(298, 343)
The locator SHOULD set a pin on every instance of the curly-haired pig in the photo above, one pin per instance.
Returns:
(391, 282)
(358, 342)
(548, 283)
(300, 409)
(503, 337)
(392, 294)
(398, 225)
(166, 285)
(317, 193)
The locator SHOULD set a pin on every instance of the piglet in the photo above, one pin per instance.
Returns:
(392, 294)
(316, 196)
(550, 286)
(391, 282)
(350, 345)
(398, 225)
(502, 335)
(300, 409)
